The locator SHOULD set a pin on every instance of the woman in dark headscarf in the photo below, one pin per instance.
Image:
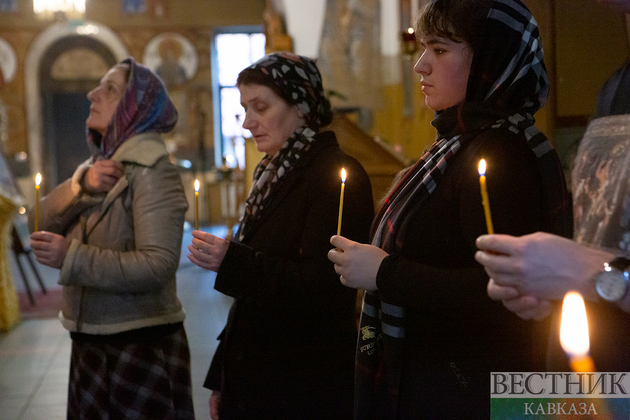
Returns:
(436, 333)
(287, 349)
(115, 230)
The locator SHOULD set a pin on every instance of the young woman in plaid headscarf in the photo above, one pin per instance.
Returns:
(287, 350)
(114, 230)
(429, 335)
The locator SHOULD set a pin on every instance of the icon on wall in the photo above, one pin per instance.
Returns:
(172, 57)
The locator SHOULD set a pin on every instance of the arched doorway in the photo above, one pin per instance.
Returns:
(70, 68)
(56, 46)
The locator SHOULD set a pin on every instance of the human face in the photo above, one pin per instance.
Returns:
(444, 66)
(269, 118)
(105, 98)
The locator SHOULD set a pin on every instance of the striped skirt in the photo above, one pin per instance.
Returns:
(141, 380)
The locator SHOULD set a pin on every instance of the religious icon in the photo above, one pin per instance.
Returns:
(172, 57)
(170, 70)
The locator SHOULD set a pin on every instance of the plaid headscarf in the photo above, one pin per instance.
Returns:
(507, 84)
(144, 107)
(299, 78)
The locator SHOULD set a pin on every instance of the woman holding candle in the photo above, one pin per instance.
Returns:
(288, 347)
(429, 335)
(114, 230)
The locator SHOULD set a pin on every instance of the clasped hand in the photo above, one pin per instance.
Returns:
(357, 264)
(207, 250)
(102, 175)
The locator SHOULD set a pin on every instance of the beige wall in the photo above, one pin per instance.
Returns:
(407, 135)
(177, 12)
(591, 43)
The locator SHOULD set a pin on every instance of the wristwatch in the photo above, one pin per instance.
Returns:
(612, 282)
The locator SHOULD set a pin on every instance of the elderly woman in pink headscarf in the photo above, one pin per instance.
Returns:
(114, 231)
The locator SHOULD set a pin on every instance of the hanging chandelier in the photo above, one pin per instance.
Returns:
(59, 9)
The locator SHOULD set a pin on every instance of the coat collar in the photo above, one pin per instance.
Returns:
(323, 141)
(144, 149)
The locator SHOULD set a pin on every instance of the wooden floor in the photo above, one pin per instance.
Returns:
(35, 355)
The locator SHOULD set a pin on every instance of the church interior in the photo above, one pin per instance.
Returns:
(51, 57)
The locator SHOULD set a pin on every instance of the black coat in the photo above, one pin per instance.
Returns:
(287, 350)
(455, 334)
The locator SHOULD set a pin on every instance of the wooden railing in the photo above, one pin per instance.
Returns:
(379, 160)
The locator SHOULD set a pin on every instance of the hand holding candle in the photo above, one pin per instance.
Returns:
(343, 186)
(484, 195)
(574, 333)
(196, 204)
(38, 180)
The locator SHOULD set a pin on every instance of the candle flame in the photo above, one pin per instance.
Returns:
(38, 179)
(574, 326)
(482, 167)
(196, 185)
(343, 175)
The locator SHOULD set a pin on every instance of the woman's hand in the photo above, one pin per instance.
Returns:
(207, 250)
(49, 248)
(102, 175)
(356, 263)
(215, 402)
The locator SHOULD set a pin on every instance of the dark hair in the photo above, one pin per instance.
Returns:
(250, 76)
(457, 20)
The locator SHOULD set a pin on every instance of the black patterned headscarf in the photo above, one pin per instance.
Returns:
(299, 80)
(507, 84)
(298, 77)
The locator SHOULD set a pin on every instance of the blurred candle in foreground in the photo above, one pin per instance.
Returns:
(484, 195)
(343, 186)
(38, 180)
(574, 333)
(196, 204)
